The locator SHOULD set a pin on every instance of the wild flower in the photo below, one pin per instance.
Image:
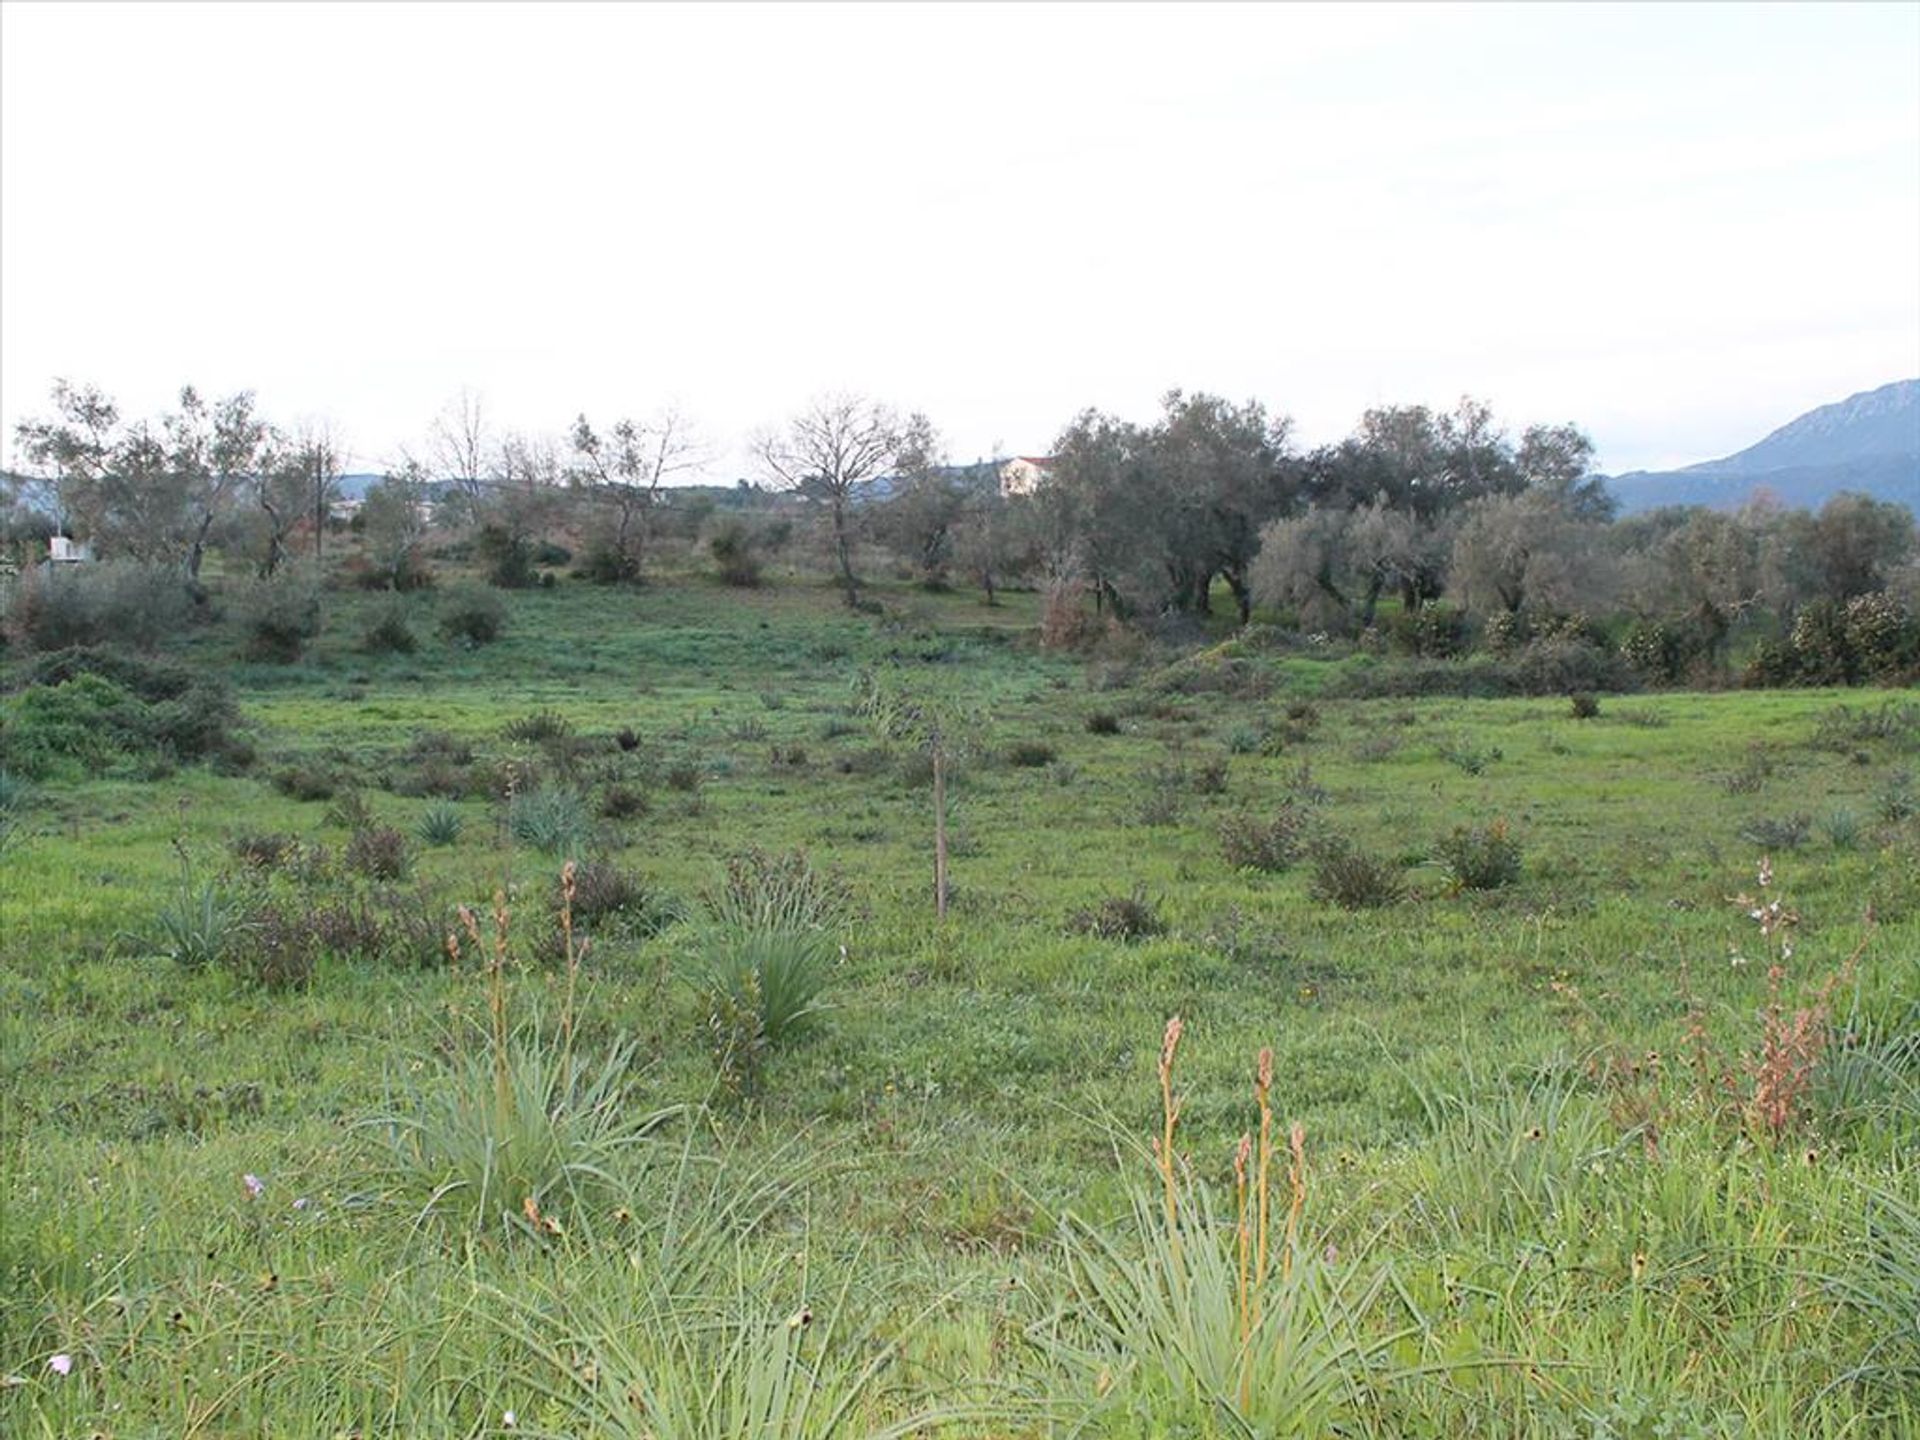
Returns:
(61, 1364)
(256, 1187)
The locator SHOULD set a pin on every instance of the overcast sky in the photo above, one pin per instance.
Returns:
(1678, 227)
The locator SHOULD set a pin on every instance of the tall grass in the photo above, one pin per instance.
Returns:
(1186, 1320)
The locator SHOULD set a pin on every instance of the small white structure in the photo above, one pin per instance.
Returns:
(1023, 473)
(63, 550)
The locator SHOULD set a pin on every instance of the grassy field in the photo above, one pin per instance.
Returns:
(1607, 1149)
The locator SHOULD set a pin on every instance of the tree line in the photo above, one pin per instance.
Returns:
(1435, 529)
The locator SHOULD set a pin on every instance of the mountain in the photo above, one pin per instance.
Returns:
(1868, 442)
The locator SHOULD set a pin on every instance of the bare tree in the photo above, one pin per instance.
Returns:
(623, 471)
(824, 454)
(460, 447)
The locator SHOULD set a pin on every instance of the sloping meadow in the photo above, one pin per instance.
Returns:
(557, 1036)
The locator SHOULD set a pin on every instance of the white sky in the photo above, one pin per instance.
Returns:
(1677, 226)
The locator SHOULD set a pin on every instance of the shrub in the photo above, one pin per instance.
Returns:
(1884, 636)
(1842, 728)
(1432, 632)
(1754, 770)
(1347, 876)
(778, 892)
(498, 1134)
(624, 802)
(1459, 751)
(152, 680)
(1481, 857)
(685, 775)
(1161, 801)
(198, 925)
(440, 825)
(1583, 705)
(16, 794)
(279, 952)
(776, 976)
(1119, 917)
(1661, 651)
(379, 852)
(1210, 778)
(348, 930)
(472, 615)
(306, 781)
(277, 618)
(1030, 754)
(86, 715)
(1781, 832)
(538, 728)
(1842, 829)
(1896, 800)
(88, 719)
(735, 547)
(508, 559)
(349, 811)
(1248, 842)
(263, 850)
(1064, 622)
(1103, 722)
(117, 601)
(552, 819)
(605, 894)
(628, 739)
(389, 634)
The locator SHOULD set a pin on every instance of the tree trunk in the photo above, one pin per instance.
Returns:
(1242, 593)
(843, 550)
(1372, 602)
(939, 827)
(198, 552)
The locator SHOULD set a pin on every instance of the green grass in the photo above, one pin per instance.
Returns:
(903, 1166)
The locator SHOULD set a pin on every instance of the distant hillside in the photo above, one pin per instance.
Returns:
(1868, 442)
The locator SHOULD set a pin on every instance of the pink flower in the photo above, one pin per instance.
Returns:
(60, 1364)
(256, 1187)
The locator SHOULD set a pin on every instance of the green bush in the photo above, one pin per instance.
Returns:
(509, 559)
(1030, 754)
(306, 781)
(379, 852)
(538, 728)
(1119, 917)
(606, 896)
(277, 618)
(1347, 876)
(1777, 832)
(552, 819)
(776, 976)
(117, 601)
(784, 892)
(607, 563)
(1481, 857)
(96, 707)
(1268, 844)
(472, 615)
(440, 825)
(1437, 632)
(388, 633)
(484, 1136)
(200, 923)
